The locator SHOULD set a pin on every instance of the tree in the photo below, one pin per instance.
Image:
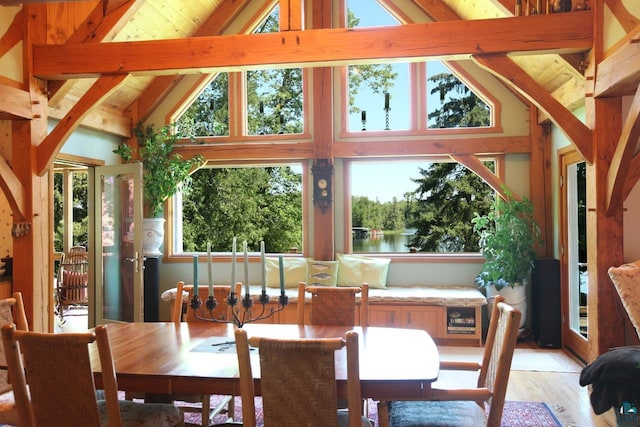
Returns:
(465, 110)
(252, 204)
(449, 194)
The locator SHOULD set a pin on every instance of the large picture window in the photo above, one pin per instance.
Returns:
(416, 206)
(253, 203)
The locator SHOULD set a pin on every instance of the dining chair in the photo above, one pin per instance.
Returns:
(460, 407)
(222, 311)
(73, 280)
(11, 312)
(298, 381)
(334, 305)
(61, 392)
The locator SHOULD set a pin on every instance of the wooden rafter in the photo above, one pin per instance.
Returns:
(626, 20)
(13, 190)
(474, 164)
(14, 103)
(319, 47)
(155, 93)
(97, 27)
(54, 141)
(621, 160)
(632, 176)
(12, 36)
(518, 79)
(619, 73)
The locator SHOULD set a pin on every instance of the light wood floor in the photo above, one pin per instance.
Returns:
(537, 375)
(540, 375)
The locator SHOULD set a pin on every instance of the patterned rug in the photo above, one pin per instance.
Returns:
(516, 414)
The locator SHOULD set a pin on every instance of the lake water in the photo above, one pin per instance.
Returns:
(390, 242)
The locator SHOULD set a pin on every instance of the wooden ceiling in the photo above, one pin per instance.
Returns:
(81, 24)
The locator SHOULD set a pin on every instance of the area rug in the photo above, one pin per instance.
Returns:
(516, 414)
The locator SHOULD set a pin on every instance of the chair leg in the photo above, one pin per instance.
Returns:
(383, 414)
(206, 405)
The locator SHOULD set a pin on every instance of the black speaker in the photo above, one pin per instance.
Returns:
(546, 313)
(151, 289)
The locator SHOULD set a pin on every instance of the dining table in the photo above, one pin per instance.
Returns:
(199, 357)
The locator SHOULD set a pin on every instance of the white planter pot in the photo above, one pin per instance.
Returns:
(152, 236)
(515, 296)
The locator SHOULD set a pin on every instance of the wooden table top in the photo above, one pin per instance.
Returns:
(160, 357)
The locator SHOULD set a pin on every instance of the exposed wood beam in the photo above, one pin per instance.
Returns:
(570, 94)
(518, 79)
(156, 92)
(13, 34)
(619, 73)
(97, 27)
(291, 15)
(13, 190)
(437, 10)
(439, 146)
(626, 19)
(621, 160)
(557, 33)
(54, 141)
(474, 164)
(633, 176)
(14, 103)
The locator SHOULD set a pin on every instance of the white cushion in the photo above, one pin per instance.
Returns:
(295, 271)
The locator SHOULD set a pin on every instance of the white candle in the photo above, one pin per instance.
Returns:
(210, 269)
(262, 267)
(246, 268)
(195, 274)
(233, 266)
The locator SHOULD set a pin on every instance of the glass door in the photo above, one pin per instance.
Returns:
(574, 254)
(119, 261)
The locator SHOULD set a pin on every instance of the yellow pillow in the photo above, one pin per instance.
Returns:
(354, 270)
(295, 271)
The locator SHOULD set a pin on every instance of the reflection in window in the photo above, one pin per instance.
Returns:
(416, 206)
(251, 203)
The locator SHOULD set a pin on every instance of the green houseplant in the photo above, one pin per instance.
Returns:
(163, 172)
(508, 237)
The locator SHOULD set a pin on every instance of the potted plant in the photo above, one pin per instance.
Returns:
(163, 172)
(508, 236)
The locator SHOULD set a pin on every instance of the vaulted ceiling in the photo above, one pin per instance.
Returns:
(113, 60)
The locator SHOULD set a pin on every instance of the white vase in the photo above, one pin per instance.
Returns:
(515, 296)
(152, 236)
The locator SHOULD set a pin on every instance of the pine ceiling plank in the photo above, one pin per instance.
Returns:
(321, 47)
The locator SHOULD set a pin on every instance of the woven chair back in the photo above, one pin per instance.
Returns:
(335, 306)
(222, 310)
(298, 380)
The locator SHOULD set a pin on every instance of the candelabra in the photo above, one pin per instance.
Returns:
(241, 312)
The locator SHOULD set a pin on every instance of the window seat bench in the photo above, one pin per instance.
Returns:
(451, 314)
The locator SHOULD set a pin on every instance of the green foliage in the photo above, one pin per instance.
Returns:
(508, 235)
(464, 110)
(253, 204)
(447, 196)
(163, 169)
(79, 209)
(377, 215)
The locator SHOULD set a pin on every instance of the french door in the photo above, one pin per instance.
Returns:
(573, 253)
(118, 232)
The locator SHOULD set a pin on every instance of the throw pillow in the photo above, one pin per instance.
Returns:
(354, 270)
(323, 273)
(295, 271)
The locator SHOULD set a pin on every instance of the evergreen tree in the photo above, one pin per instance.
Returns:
(448, 194)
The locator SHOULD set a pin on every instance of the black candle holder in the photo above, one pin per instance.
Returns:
(240, 313)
